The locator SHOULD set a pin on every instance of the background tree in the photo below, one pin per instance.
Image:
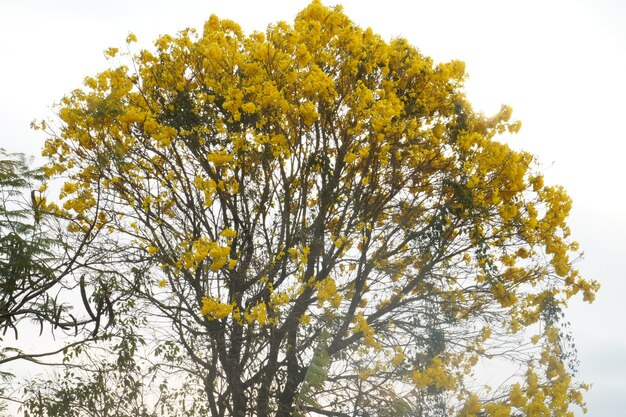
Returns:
(320, 223)
(43, 273)
(38, 259)
(24, 249)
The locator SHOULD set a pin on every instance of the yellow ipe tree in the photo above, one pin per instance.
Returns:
(327, 226)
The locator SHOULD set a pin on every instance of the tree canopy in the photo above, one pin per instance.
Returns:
(314, 221)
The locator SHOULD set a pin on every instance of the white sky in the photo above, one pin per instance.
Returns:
(559, 63)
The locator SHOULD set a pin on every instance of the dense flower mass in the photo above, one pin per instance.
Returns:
(315, 180)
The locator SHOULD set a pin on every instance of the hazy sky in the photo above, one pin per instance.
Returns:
(560, 64)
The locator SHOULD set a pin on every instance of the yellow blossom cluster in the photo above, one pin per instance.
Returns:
(434, 375)
(399, 356)
(362, 326)
(214, 309)
(258, 314)
(203, 248)
(327, 292)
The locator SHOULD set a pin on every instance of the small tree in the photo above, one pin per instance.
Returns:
(324, 222)
(24, 250)
(28, 267)
(43, 272)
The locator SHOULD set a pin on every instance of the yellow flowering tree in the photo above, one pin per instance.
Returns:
(324, 223)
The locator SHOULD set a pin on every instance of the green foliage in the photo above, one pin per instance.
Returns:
(25, 254)
(39, 274)
(24, 274)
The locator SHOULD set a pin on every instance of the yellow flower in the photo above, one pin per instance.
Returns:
(517, 396)
(399, 357)
(248, 107)
(214, 309)
(362, 326)
(434, 375)
(111, 52)
(350, 157)
(327, 292)
(68, 188)
(308, 112)
(201, 249)
(229, 233)
(219, 158)
(257, 313)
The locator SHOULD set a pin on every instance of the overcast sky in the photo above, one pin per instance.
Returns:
(560, 64)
